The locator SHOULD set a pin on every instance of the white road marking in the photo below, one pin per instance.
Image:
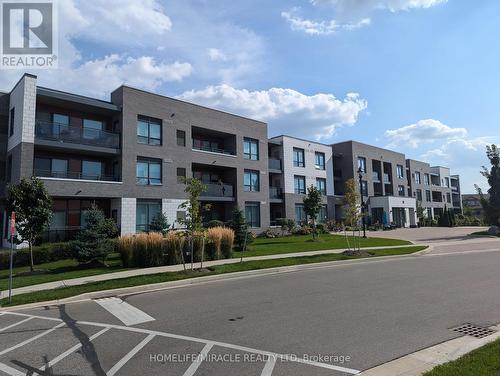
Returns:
(125, 312)
(70, 351)
(10, 371)
(200, 340)
(32, 339)
(269, 367)
(131, 353)
(16, 324)
(199, 359)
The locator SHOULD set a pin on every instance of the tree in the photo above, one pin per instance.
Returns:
(94, 242)
(33, 206)
(312, 206)
(238, 223)
(159, 223)
(352, 214)
(194, 188)
(491, 205)
(420, 212)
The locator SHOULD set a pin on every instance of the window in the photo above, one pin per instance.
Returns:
(91, 170)
(400, 171)
(401, 190)
(419, 194)
(362, 164)
(148, 130)
(319, 160)
(252, 214)
(181, 174)
(251, 181)
(321, 185)
(417, 177)
(447, 182)
(251, 149)
(322, 214)
(298, 157)
(57, 168)
(180, 216)
(12, 121)
(92, 129)
(148, 172)
(364, 188)
(181, 138)
(300, 213)
(426, 179)
(428, 196)
(299, 183)
(448, 197)
(429, 212)
(145, 212)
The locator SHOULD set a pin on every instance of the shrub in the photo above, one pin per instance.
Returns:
(125, 247)
(286, 225)
(214, 239)
(44, 253)
(270, 234)
(303, 230)
(215, 223)
(172, 248)
(227, 242)
(321, 228)
(240, 228)
(140, 249)
(159, 223)
(154, 255)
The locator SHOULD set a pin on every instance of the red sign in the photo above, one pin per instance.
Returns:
(13, 223)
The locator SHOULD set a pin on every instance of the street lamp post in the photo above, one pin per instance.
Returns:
(360, 175)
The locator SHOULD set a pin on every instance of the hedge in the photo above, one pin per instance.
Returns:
(48, 252)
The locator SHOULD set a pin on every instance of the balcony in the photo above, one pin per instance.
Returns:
(376, 177)
(275, 164)
(210, 147)
(387, 178)
(219, 192)
(212, 141)
(76, 135)
(275, 193)
(75, 175)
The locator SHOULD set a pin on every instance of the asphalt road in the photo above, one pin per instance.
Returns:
(346, 317)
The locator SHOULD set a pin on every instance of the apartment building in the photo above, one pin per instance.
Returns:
(384, 182)
(472, 202)
(129, 155)
(295, 165)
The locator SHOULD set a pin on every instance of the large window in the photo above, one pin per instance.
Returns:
(427, 180)
(322, 214)
(251, 149)
(145, 212)
(298, 157)
(252, 214)
(12, 121)
(181, 175)
(364, 188)
(401, 190)
(92, 129)
(148, 130)
(251, 181)
(148, 172)
(428, 196)
(321, 185)
(419, 194)
(400, 171)
(362, 164)
(300, 213)
(181, 138)
(57, 168)
(417, 177)
(319, 160)
(299, 183)
(91, 170)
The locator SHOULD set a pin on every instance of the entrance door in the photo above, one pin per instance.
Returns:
(399, 216)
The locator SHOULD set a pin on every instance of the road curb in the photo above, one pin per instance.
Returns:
(426, 359)
(133, 290)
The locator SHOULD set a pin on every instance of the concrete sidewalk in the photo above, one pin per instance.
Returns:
(172, 268)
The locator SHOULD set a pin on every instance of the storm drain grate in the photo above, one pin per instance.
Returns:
(473, 330)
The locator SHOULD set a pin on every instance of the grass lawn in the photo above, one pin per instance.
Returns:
(166, 277)
(481, 233)
(484, 361)
(56, 271)
(303, 243)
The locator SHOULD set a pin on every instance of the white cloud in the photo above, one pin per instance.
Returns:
(369, 5)
(286, 110)
(319, 27)
(216, 55)
(423, 131)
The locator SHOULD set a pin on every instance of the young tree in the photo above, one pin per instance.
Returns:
(420, 212)
(491, 205)
(159, 223)
(352, 212)
(33, 206)
(312, 205)
(94, 242)
(239, 225)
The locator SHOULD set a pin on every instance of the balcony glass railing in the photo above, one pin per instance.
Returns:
(387, 178)
(76, 135)
(275, 192)
(74, 175)
(274, 164)
(375, 176)
(218, 190)
(200, 145)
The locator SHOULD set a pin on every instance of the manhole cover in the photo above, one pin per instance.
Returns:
(473, 330)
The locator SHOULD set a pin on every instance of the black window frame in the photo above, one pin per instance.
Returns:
(323, 180)
(400, 171)
(362, 164)
(364, 188)
(250, 221)
(250, 156)
(250, 187)
(149, 120)
(149, 162)
(181, 135)
(297, 189)
(297, 162)
(148, 203)
(401, 190)
(319, 166)
(181, 177)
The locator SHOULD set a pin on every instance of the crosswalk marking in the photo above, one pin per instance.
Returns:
(129, 356)
(199, 359)
(125, 312)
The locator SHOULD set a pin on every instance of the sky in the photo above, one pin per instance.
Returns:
(416, 76)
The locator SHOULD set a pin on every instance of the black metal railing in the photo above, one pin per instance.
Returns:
(275, 192)
(218, 190)
(74, 175)
(197, 146)
(275, 164)
(76, 135)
